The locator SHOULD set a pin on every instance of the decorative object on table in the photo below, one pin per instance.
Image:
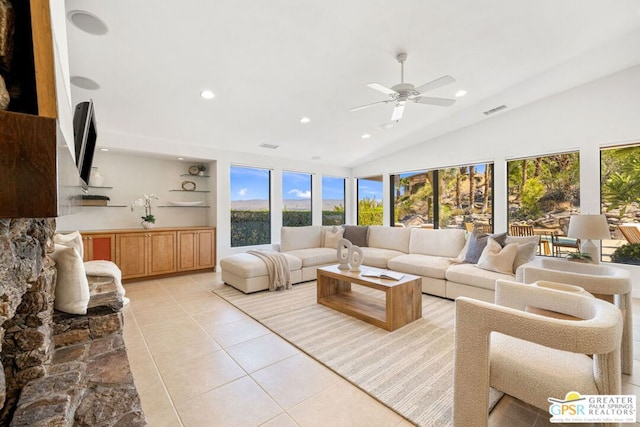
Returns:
(627, 254)
(355, 257)
(94, 200)
(95, 178)
(344, 247)
(148, 219)
(188, 185)
(579, 257)
(588, 228)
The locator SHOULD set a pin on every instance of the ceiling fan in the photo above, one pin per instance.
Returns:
(403, 92)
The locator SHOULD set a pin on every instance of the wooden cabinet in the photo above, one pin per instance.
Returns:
(99, 246)
(160, 251)
(146, 253)
(196, 249)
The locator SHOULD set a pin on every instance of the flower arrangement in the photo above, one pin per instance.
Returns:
(146, 204)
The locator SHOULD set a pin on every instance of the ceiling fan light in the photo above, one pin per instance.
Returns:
(461, 93)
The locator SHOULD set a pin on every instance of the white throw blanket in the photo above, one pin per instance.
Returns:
(277, 268)
(107, 269)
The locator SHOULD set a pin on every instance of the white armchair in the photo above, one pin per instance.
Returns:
(604, 282)
(529, 356)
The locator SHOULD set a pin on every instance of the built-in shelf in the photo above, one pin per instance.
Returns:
(104, 206)
(99, 186)
(192, 191)
(194, 206)
(188, 174)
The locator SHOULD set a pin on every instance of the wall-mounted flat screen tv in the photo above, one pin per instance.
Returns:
(85, 135)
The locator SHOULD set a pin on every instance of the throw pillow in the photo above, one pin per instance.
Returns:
(526, 252)
(72, 287)
(496, 258)
(71, 240)
(331, 237)
(477, 243)
(356, 234)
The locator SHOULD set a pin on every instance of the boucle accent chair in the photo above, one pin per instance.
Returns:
(529, 356)
(605, 282)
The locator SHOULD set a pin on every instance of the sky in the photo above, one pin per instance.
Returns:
(253, 184)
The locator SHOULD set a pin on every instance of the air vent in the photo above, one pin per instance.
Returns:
(269, 146)
(495, 110)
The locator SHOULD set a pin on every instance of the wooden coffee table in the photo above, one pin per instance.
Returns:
(402, 305)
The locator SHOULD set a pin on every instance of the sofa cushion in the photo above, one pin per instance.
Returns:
(356, 234)
(377, 257)
(331, 237)
(394, 238)
(246, 265)
(469, 274)
(72, 287)
(300, 237)
(420, 265)
(477, 243)
(497, 258)
(441, 242)
(315, 256)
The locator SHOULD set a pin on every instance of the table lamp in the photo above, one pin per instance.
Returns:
(588, 228)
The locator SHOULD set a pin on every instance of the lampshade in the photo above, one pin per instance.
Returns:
(589, 227)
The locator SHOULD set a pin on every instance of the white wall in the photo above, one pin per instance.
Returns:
(598, 114)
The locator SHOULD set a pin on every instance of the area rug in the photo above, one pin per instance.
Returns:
(410, 370)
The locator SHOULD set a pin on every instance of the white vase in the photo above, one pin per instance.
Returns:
(355, 257)
(95, 178)
(147, 224)
(344, 247)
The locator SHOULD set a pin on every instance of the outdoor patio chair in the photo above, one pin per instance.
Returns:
(631, 232)
(558, 242)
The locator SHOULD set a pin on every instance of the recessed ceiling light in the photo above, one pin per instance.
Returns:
(84, 83)
(207, 94)
(305, 120)
(461, 93)
(104, 149)
(88, 22)
(180, 158)
(365, 136)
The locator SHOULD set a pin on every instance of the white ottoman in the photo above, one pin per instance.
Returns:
(248, 273)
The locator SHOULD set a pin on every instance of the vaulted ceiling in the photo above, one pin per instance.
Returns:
(272, 62)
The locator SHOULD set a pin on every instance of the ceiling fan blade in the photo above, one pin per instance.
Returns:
(442, 81)
(381, 88)
(441, 102)
(362, 107)
(397, 112)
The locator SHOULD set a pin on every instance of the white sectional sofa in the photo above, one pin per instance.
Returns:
(435, 255)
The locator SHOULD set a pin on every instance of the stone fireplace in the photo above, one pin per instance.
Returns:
(58, 368)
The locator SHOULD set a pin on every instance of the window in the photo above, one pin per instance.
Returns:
(250, 206)
(465, 197)
(544, 192)
(412, 199)
(620, 194)
(419, 203)
(333, 201)
(296, 199)
(370, 200)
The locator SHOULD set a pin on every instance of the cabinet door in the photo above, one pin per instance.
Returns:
(162, 252)
(187, 242)
(99, 247)
(131, 254)
(206, 249)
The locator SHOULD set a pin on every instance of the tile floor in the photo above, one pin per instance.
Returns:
(199, 361)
